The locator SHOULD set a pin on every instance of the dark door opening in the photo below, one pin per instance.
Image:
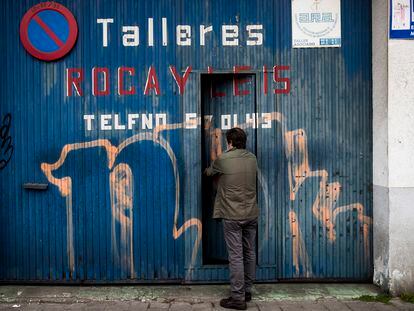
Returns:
(227, 100)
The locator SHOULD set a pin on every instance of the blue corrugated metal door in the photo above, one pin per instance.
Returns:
(125, 203)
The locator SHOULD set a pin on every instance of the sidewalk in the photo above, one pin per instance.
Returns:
(195, 297)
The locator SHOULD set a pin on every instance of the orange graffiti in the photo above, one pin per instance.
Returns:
(122, 197)
(121, 189)
(324, 207)
(299, 252)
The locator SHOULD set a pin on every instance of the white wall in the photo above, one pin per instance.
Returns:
(380, 141)
(401, 164)
(393, 113)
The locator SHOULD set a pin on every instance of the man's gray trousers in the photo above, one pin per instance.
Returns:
(240, 236)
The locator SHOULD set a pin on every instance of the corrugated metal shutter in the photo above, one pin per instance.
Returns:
(124, 205)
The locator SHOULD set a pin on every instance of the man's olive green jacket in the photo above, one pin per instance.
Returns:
(236, 192)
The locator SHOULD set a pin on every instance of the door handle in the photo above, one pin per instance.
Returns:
(35, 186)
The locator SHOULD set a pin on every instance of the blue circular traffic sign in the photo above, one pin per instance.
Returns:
(48, 31)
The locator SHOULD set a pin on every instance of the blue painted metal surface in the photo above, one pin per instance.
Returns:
(125, 205)
(40, 39)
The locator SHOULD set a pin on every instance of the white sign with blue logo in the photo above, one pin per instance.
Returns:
(316, 23)
(402, 19)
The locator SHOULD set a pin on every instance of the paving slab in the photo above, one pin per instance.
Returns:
(360, 306)
(314, 305)
(335, 305)
(268, 306)
(401, 305)
(158, 306)
(125, 305)
(290, 306)
(180, 306)
(250, 306)
(205, 306)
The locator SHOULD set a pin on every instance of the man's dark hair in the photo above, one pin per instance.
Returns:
(237, 137)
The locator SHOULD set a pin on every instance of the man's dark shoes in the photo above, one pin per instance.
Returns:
(230, 303)
(248, 296)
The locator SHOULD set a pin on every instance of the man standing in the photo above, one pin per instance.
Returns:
(236, 204)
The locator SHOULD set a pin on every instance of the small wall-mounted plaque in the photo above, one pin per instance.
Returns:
(401, 19)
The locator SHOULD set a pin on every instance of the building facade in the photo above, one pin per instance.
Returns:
(111, 110)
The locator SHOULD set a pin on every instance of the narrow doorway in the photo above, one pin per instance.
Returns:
(227, 100)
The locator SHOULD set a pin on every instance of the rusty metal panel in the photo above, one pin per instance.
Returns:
(101, 181)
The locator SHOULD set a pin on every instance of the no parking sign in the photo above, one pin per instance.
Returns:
(48, 31)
